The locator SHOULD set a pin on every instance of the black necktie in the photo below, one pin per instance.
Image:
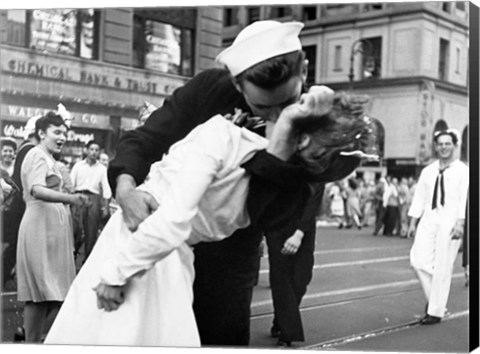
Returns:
(442, 189)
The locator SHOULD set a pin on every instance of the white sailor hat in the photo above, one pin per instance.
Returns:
(30, 126)
(260, 41)
(65, 114)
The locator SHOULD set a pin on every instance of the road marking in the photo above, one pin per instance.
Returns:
(367, 261)
(355, 250)
(358, 249)
(351, 263)
(378, 332)
(353, 290)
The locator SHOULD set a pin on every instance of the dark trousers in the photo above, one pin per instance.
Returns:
(11, 223)
(289, 278)
(225, 274)
(391, 219)
(9, 256)
(465, 249)
(379, 217)
(86, 223)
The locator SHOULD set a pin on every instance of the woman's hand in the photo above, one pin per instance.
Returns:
(109, 297)
(79, 200)
(292, 244)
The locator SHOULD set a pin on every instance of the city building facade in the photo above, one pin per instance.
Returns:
(101, 64)
(411, 58)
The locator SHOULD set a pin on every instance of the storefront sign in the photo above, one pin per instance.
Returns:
(77, 71)
(80, 119)
(16, 130)
(404, 162)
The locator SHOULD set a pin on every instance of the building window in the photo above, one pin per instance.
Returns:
(253, 14)
(311, 56)
(457, 68)
(230, 16)
(443, 59)
(336, 6)
(337, 60)
(460, 5)
(63, 31)
(16, 33)
(446, 6)
(372, 58)
(280, 11)
(309, 13)
(373, 7)
(162, 47)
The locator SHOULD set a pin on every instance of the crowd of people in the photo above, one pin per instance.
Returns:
(235, 155)
(383, 203)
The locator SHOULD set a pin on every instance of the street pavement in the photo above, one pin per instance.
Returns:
(365, 297)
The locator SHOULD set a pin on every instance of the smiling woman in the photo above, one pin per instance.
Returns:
(45, 264)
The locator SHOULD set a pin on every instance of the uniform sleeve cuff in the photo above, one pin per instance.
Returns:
(271, 168)
(110, 275)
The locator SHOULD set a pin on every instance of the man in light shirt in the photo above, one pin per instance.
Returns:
(439, 205)
(89, 177)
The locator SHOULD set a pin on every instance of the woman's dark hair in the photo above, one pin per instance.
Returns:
(344, 129)
(344, 126)
(274, 71)
(47, 120)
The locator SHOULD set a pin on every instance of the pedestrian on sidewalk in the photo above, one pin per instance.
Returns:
(337, 205)
(404, 202)
(390, 203)
(45, 264)
(438, 206)
(89, 177)
(379, 205)
(353, 203)
(291, 260)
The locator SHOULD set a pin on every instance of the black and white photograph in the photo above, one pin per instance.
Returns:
(256, 176)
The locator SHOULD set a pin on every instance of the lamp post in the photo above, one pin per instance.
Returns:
(358, 46)
(364, 46)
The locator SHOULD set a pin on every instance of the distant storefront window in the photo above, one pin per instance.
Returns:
(309, 13)
(280, 11)
(311, 56)
(372, 58)
(162, 47)
(230, 16)
(460, 5)
(253, 14)
(16, 28)
(62, 31)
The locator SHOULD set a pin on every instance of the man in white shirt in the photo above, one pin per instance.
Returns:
(89, 177)
(439, 203)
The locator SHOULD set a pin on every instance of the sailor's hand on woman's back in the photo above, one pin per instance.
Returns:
(282, 133)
